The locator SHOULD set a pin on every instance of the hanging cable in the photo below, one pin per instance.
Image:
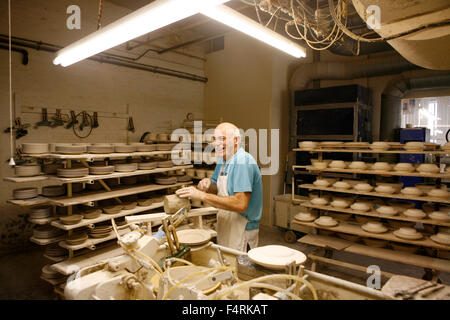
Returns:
(100, 14)
(11, 160)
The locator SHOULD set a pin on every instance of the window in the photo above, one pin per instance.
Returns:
(432, 113)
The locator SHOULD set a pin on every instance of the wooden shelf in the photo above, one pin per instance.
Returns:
(93, 156)
(92, 242)
(44, 242)
(384, 173)
(39, 200)
(92, 178)
(371, 151)
(380, 253)
(346, 227)
(376, 194)
(373, 213)
(106, 217)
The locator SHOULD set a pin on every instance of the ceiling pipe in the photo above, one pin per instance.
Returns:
(22, 51)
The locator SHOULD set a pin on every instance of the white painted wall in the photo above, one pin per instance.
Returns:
(156, 102)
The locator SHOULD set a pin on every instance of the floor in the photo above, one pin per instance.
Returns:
(20, 271)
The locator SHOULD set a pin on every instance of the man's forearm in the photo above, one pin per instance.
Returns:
(232, 203)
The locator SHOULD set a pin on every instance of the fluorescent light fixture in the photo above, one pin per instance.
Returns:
(250, 27)
(153, 16)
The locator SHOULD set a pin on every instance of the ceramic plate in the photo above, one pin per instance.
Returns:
(275, 256)
(192, 237)
(401, 235)
(439, 239)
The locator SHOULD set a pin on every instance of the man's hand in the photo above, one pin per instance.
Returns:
(191, 193)
(204, 184)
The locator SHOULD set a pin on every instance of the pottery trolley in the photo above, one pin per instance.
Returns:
(321, 236)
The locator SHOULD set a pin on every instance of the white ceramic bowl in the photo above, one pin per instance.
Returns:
(411, 191)
(414, 213)
(340, 204)
(320, 164)
(404, 167)
(374, 227)
(361, 206)
(321, 183)
(305, 216)
(379, 145)
(408, 233)
(34, 148)
(439, 193)
(308, 144)
(319, 201)
(341, 185)
(428, 168)
(414, 145)
(385, 189)
(439, 215)
(396, 186)
(337, 164)
(29, 170)
(381, 166)
(387, 210)
(326, 221)
(363, 187)
(359, 165)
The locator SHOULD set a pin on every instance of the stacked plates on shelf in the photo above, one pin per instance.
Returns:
(381, 166)
(320, 165)
(326, 221)
(91, 213)
(55, 251)
(129, 181)
(53, 191)
(374, 227)
(166, 180)
(165, 146)
(41, 212)
(29, 170)
(114, 209)
(72, 219)
(414, 146)
(47, 232)
(184, 178)
(408, 234)
(77, 238)
(358, 165)
(387, 210)
(165, 164)
(438, 193)
(331, 144)
(342, 185)
(34, 148)
(363, 187)
(125, 148)
(101, 170)
(340, 203)
(145, 202)
(322, 183)
(49, 273)
(320, 201)
(51, 168)
(70, 149)
(337, 164)
(73, 172)
(100, 148)
(100, 231)
(428, 168)
(148, 165)
(146, 148)
(129, 205)
(308, 144)
(163, 137)
(126, 167)
(361, 206)
(25, 193)
(379, 145)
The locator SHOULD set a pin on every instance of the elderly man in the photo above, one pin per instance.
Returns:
(235, 189)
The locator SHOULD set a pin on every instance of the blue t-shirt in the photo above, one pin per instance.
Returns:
(244, 176)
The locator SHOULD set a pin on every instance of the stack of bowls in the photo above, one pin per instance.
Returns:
(91, 213)
(379, 145)
(29, 170)
(112, 209)
(100, 148)
(404, 167)
(100, 170)
(374, 227)
(320, 165)
(47, 232)
(55, 251)
(124, 148)
(428, 168)
(67, 149)
(326, 221)
(50, 274)
(408, 234)
(77, 238)
(72, 219)
(147, 165)
(165, 164)
(165, 180)
(414, 146)
(146, 148)
(308, 145)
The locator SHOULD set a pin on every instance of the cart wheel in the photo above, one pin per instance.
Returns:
(290, 237)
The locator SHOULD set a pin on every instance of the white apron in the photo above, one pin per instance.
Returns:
(230, 224)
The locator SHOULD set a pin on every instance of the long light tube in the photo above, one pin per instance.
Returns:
(153, 16)
(250, 27)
